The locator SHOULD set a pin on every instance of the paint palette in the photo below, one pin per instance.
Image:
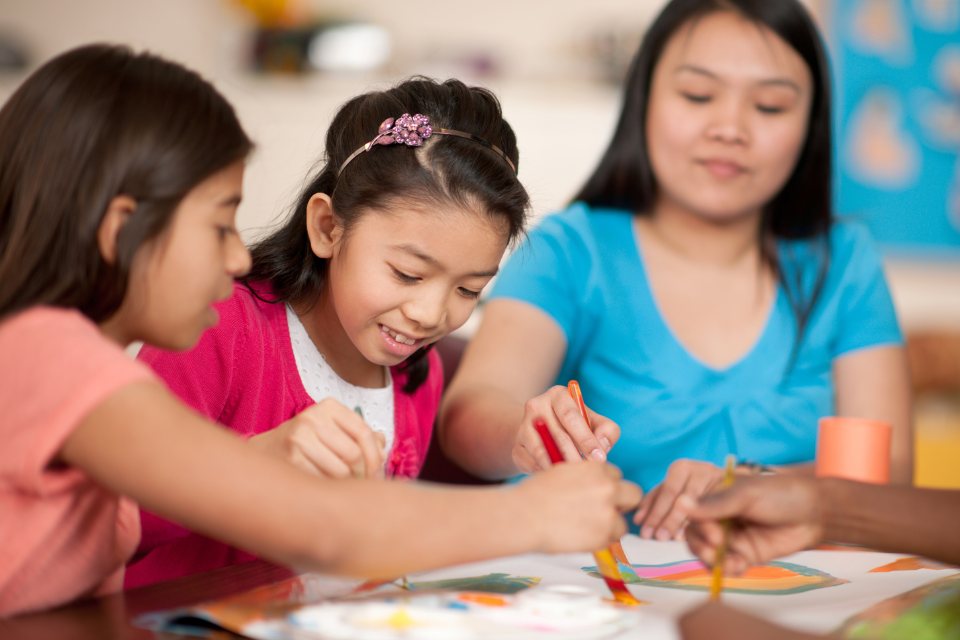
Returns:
(555, 612)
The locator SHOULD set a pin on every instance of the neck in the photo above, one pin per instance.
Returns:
(113, 328)
(717, 243)
(327, 333)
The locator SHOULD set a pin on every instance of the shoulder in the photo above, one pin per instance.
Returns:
(50, 356)
(52, 322)
(574, 238)
(852, 250)
(582, 223)
(249, 304)
(851, 239)
(41, 335)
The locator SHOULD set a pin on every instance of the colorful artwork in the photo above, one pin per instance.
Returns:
(929, 612)
(911, 564)
(773, 578)
(490, 583)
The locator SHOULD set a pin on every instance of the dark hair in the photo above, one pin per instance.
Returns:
(801, 210)
(91, 124)
(446, 169)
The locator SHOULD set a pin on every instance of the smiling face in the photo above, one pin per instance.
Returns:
(727, 117)
(401, 280)
(175, 279)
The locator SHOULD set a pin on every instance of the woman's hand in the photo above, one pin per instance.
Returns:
(578, 507)
(573, 435)
(327, 439)
(659, 515)
(771, 517)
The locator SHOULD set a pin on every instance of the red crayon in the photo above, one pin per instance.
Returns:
(606, 564)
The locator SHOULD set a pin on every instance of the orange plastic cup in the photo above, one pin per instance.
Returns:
(854, 449)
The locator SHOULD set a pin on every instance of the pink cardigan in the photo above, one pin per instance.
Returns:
(242, 374)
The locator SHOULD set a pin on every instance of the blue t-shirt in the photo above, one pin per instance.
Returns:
(584, 269)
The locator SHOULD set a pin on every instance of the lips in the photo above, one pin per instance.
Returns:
(723, 168)
(399, 337)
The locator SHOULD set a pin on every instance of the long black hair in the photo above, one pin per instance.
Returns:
(624, 178)
(91, 124)
(445, 170)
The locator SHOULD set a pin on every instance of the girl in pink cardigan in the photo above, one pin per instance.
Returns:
(120, 176)
(323, 354)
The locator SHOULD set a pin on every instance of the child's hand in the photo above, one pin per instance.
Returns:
(715, 621)
(578, 507)
(659, 515)
(572, 434)
(772, 516)
(327, 439)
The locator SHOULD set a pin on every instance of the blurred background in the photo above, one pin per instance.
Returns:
(287, 65)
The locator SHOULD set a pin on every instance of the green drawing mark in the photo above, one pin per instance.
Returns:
(490, 583)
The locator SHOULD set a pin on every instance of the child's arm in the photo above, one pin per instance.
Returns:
(778, 515)
(486, 420)
(143, 443)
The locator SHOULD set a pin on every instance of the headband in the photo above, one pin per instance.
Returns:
(412, 131)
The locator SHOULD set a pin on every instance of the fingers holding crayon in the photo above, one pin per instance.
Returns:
(575, 437)
(580, 506)
(327, 439)
(771, 517)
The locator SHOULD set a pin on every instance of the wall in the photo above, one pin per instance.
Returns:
(548, 75)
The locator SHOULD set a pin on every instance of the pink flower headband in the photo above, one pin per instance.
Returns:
(412, 131)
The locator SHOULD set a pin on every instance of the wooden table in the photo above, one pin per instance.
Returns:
(108, 618)
(848, 584)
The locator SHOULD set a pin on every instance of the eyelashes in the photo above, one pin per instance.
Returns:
(404, 278)
(704, 99)
(408, 279)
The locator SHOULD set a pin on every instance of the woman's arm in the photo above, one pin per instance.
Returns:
(143, 443)
(875, 383)
(502, 383)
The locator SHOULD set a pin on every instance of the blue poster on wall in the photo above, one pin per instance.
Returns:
(898, 120)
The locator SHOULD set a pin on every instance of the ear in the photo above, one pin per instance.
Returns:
(322, 228)
(118, 212)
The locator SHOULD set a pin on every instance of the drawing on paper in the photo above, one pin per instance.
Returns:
(490, 583)
(773, 578)
(912, 564)
(929, 612)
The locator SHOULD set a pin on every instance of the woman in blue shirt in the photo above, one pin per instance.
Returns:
(698, 288)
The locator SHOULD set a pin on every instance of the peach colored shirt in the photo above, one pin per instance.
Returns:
(62, 535)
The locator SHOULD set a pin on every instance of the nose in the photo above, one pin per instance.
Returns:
(238, 260)
(427, 307)
(729, 123)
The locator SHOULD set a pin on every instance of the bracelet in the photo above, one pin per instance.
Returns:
(756, 468)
